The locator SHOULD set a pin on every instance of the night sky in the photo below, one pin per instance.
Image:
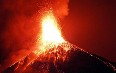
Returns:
(89, 24)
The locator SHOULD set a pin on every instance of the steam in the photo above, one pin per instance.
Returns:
(19, 26)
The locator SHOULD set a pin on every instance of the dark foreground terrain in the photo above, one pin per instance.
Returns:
(77, 61)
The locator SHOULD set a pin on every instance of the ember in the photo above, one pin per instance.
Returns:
(51, 44)
(51, 35)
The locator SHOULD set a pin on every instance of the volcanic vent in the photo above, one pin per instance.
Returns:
(51, 43)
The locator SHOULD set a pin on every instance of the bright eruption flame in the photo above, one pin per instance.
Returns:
(50, 31)
(51, 35)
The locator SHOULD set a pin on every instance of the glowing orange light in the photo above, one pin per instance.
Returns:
(50, 30)
(51, 45)
(51, 35)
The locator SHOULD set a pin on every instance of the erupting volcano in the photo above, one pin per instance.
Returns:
(51, 43)
(55, 55)
(51, 46)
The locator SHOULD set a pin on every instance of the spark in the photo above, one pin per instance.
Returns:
(51, 35)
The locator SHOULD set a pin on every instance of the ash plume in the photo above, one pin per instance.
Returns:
(19, 27)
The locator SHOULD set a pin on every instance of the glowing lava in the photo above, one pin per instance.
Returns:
(50, 31)
(51, 36)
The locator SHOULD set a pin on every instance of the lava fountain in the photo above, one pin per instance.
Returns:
(51, 34)
(51, 43)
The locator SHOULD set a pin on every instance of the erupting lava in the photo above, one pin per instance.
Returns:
(51, 36)
(51, 46)
(50, 31)
(51, 43)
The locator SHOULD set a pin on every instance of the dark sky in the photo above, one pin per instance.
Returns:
(91, 24)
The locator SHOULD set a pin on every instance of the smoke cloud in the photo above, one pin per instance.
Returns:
(19, 26)
(60, 7)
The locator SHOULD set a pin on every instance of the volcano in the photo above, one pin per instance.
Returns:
(76, 61)
(53, 54)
